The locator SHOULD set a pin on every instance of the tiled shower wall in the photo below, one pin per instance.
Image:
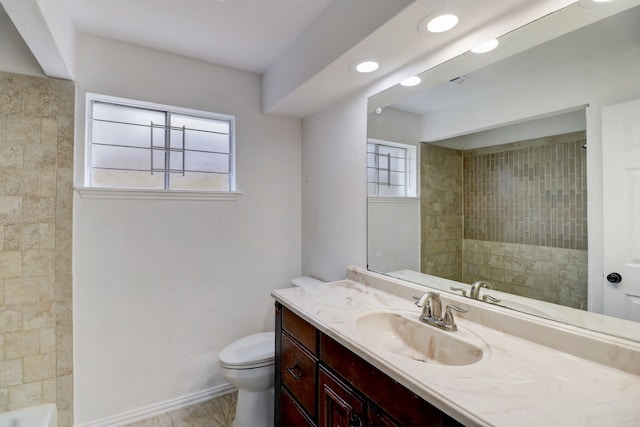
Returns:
(525, 227)
(532, 192)
(441, 211)
(36, 161)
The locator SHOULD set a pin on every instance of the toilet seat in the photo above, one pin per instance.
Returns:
(253, 351)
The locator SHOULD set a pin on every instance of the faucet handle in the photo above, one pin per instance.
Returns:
(448, 319)
(463, 290)
(487, 297)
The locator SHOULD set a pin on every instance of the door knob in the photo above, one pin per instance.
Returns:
(614, 279)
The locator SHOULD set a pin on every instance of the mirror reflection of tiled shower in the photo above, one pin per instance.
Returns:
(513, 214)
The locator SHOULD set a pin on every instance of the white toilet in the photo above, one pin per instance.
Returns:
(249, 365)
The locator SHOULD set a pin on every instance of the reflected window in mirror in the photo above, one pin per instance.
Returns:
(391, 169)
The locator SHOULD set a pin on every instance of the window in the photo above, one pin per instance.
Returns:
(139, 145)
(391, 169)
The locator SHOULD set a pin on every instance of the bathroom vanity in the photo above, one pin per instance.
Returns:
(353, 353)
(320, 382)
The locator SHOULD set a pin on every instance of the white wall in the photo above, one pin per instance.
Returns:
(15, 56)
(334, 190)
(574, 121)
(161, 286)
(393, 225)
(393, 234)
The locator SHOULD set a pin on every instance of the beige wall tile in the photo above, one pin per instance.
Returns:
(49, 132)
(21, 344)
(49, 392)
(36, 138)
(64, 392)
(22, 182)
(10, 264)
(11, 100)
(21, 237)
(10, 320)
(36, 316)
(47, 288)
(23, 395)
(47, 236)
(11, 157)
(23, 130)
(65, 141)
(24, 290)
(40, 156)
(39, 367)
(47, 340)
(11, 372)
(42, 101)
(4, 399)
(64, 345)
(38, 209)
(37, 263)
(10, 209)
(48, 183)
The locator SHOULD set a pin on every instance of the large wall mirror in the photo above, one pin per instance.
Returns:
(494, 169)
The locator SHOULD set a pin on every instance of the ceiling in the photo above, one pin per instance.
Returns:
(248, 35)
(304, 49)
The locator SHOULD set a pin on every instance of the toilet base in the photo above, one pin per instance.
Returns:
(254, 409)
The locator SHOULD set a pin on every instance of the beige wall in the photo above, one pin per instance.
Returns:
(36, 170)
(549, 274)
(525, 217)
(441, 211)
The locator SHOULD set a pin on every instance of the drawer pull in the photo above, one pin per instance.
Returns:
(295, 371)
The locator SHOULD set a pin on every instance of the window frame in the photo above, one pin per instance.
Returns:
(412, 188)
(89, 191)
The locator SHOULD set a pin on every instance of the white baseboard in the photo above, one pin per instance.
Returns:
(160, 408)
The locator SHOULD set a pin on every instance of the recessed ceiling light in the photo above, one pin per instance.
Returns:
(485, 47)
(442, 23)
(601, 1)
(367, 66)
(411, 81)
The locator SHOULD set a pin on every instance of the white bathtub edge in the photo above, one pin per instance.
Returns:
(44, 415)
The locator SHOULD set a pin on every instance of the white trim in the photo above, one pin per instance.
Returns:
(383, 199)
(136, 194)
(160, 408)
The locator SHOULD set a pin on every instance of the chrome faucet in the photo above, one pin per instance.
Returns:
(432, 312)
(475, 288)
(431, 305)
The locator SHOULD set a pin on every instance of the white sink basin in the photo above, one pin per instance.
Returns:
(416, 340)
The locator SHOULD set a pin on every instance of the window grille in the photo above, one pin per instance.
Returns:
(390, 170)
(148, 146)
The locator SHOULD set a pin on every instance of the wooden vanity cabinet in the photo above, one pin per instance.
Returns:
(321, 383)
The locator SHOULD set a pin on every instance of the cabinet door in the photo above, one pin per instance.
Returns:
(292, 415)
(338, 405)
(376, 418)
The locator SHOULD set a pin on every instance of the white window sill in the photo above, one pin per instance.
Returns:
(133, 194)
(386, 199)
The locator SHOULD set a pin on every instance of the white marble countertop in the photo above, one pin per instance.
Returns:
(516, 383)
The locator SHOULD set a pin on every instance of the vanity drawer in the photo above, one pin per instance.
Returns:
(292, 414)
(299, 329)
(298, 373)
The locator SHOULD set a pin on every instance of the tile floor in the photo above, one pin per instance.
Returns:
(218, 412)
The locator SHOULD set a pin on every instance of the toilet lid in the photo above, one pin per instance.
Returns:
(249, 352)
